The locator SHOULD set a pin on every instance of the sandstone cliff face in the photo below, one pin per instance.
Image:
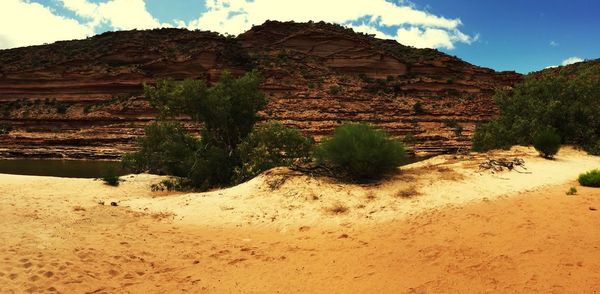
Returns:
(83, 99)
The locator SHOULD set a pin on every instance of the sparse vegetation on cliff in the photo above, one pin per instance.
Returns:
(5, 129)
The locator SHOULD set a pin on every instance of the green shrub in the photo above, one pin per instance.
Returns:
(572, 191)
(594, 148)
(168, 185)
(110, 177)
(590, 179)
(270, 145)
(361, 151)
(547, 143)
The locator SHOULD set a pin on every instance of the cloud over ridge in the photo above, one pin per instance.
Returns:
(412, 26)
(398, 20)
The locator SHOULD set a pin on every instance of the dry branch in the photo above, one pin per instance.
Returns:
(498, 165)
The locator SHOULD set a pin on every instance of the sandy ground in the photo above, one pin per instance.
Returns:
(438, 226)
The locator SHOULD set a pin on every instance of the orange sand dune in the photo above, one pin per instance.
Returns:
(57, 239)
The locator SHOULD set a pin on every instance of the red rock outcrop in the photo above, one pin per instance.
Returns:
(83, 99)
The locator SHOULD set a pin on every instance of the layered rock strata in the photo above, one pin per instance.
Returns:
(83, 98)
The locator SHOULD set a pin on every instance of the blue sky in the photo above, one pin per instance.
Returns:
(521, 35)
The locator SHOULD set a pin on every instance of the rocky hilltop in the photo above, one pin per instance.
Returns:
(83, 98)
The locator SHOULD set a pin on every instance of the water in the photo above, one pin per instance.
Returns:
(413, 159)
(82, 168)
(59, 168)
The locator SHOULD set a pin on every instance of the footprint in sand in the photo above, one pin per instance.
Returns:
(304, 228)
(236, 261)
(34, 278)
(220, 253)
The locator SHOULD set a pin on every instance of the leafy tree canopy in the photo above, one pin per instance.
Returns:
(563, 100)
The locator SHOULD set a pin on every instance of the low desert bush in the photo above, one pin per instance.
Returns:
(590, 179)
(547, 143)
(572, 191)
(166, 185)
(338, 208)
(361, 151)
(408, 192)
(110, 177)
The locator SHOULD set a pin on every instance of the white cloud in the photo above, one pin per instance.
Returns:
(554, 44)
(119, 14)
(363, 28)
(23, 23)
(431, 37)
(413, 27)
(571, 60)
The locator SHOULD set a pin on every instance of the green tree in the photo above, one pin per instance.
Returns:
(166, 149)
(565, 100)
(227, 112)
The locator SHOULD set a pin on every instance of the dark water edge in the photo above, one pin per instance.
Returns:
(86, 168)
(414, 159)
(59, 168)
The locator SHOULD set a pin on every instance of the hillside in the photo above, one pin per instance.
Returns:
(82, 99)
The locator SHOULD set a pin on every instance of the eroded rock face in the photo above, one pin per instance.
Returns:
(83, 99)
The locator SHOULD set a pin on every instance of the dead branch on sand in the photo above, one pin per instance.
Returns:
(315, 170)
(498, 165)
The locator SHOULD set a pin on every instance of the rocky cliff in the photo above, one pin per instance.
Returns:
(83, 98)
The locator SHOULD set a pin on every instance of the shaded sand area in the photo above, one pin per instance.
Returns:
(438, 226)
